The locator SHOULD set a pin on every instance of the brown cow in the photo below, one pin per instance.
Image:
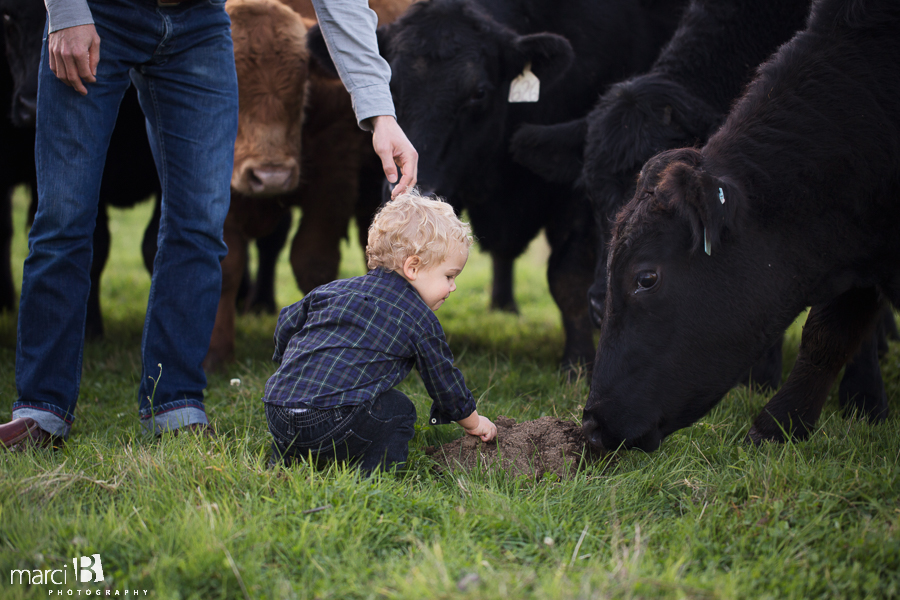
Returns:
(286, 155)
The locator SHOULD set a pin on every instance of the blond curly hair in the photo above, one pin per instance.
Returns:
(412, 225)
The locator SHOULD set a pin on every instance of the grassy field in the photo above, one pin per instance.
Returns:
(705, 516)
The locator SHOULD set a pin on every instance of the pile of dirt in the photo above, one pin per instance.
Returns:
(532, 448)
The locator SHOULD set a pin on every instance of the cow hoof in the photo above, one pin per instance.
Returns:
(509, 307)
(261, 307)
(575, 370)
(758, 437)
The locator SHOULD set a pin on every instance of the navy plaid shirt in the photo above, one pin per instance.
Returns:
(351, 340)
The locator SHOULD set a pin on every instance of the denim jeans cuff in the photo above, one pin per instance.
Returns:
(183, 413)
(46, 419)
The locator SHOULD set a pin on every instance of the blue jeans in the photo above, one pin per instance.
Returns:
(181, 61)
(374, 435)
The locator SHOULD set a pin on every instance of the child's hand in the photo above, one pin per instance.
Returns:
(485, 429)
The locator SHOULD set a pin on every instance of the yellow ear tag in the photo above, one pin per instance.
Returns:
(526, 87)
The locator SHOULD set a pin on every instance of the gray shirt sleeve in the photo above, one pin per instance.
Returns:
(62, 14)
(348, 27)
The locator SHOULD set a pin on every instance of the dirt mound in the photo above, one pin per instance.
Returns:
(532, 448)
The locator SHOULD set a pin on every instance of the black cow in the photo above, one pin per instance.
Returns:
(792, 203)
(679, 102)
(129, 175)
(23, 27)
(453, 62)
(16, 143)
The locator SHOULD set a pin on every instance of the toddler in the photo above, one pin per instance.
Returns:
(344, 347)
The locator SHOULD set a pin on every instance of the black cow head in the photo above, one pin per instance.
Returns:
(633, 121)
(602, 153)
(683, 319)
(452, 65)
(23, 28)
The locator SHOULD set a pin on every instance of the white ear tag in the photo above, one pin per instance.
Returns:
(526, 87)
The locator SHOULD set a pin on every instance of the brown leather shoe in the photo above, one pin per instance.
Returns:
(19, 434)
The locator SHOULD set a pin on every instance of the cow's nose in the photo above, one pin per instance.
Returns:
(24, 111)
(592, 432)
(269, 180)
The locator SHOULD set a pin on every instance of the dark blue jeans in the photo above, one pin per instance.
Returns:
(374, 435)
(181, 60)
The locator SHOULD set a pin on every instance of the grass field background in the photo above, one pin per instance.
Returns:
(706, 516)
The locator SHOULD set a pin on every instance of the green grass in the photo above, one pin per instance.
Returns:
(705, 516)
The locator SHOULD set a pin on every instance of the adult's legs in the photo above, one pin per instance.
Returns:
(73, 133)
(188, 92)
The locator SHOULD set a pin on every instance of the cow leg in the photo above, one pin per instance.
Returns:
(151, 236)
(833, 332)
(244, 288)
(570, 271)
(373, 188)
(316, 248)
(502, 288)
(7, 288)
(597, 291)
(93, 322)
(887, 330)
(766, 373)
(261, 299)
(221, 344)
(862, 388)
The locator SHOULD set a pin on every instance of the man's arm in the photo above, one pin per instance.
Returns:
(73, 43)
(62, 14)
(348, 27)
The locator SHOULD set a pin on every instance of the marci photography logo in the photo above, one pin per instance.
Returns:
(86, 569)
(90, 566)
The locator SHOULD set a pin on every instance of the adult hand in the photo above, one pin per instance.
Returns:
(395, 150)
(74, 55)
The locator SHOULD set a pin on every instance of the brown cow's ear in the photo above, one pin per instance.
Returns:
(550, 56)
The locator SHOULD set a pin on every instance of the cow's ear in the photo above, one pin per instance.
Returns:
(716, 211)
(320, 58)
(555, 152)
(708, 203)
(550, 55)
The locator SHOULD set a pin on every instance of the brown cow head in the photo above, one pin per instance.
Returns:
(271, 59)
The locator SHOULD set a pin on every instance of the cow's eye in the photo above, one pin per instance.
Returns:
(646, 280)
(478, 95)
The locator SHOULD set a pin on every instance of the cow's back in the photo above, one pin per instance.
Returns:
(824, 114)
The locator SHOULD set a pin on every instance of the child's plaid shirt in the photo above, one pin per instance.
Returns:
(350, 340)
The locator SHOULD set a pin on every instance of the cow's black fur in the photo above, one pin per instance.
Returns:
(809, 164)
(452, 64)
(16, 160)
(23, 26)
(129, 175)
(679, 102)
